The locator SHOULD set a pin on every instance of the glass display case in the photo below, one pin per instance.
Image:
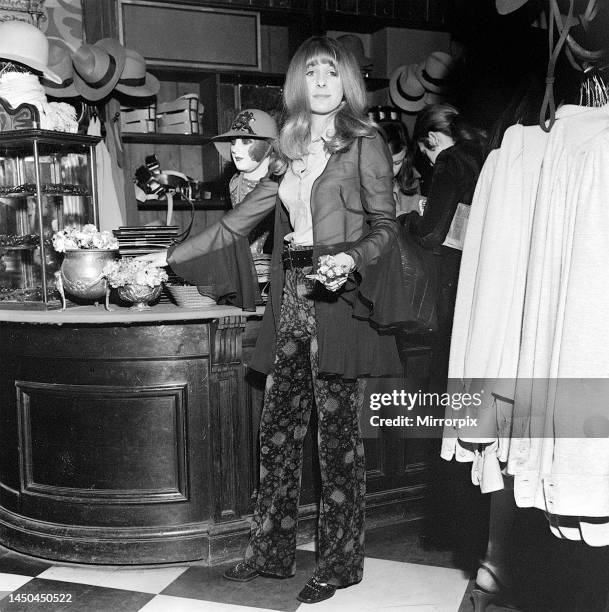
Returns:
(47, 182)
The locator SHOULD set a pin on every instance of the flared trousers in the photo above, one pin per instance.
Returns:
(293, 389)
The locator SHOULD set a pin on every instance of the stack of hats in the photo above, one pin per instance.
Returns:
(92, 71)
(414, 86)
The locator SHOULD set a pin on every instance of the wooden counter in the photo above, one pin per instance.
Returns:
(130, 437)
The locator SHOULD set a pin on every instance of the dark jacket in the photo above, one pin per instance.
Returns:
(454, 178)
(353, 210)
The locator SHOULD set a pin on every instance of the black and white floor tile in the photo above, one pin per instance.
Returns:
(400, 575)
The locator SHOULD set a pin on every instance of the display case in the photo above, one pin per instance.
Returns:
(47, 182)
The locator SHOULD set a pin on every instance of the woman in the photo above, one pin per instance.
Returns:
(335, 199)
(456, 154)
(406, 190)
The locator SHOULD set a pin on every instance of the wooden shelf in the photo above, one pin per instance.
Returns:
(168, 139)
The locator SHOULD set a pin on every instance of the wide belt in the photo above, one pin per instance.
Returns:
(297, 258)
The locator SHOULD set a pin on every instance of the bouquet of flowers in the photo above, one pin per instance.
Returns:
(89, 237)
(328, 271)
(131, 271)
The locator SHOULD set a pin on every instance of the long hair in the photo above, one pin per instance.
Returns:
(446, 119)
(350, 120)
(397, 138)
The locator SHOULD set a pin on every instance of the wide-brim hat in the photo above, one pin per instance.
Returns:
(508, 6)
(25, 44)
(249, 123)
(405, 89)
(354, 43)
(61, 63)
(135, 81)
(434, 72)
(98, 67)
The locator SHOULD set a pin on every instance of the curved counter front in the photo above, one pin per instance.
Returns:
(131, 437)
(127, 437)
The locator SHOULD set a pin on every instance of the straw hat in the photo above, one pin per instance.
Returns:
(134, 80)
(98, 67)
(61, 63)
(249, 123)
(434, 72)
(25, 44)
(405, 89)
(354, 43)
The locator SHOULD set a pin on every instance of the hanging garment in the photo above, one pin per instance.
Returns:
(486, 330)
(111, 208)
(532, 307)
(559, 464)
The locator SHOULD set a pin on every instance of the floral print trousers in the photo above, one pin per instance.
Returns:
(292, 391)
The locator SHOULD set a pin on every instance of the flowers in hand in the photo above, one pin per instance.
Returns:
(329, 271)
(132, 271)
(87, 237)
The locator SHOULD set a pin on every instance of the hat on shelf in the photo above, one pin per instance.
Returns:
(354, 43)
(508, 6)
(25, 44)
(98, 67)
(61, 63)
(249, 123)
(405, 89)
(135, 81)
(435, 71)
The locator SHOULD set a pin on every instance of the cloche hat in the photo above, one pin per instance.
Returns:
(25, 44)
(405, 89)
(98, 67)
(61, 63)
(135, 81)
(249, 123)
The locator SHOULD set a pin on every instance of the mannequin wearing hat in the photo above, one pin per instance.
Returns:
(252, 154)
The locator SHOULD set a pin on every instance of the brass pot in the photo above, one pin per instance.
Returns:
(82, 272)
(139, 295)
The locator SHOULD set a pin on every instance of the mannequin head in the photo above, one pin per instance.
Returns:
(250, 154)
(250, 143)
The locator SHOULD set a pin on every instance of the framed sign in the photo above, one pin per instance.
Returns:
(24, 117)
(190, 36)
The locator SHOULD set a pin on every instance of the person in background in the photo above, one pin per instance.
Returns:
(406, 189)
(334, 204)
(456, 152)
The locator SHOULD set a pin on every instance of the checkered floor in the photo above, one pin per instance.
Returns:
(395, 579)
(400, 575)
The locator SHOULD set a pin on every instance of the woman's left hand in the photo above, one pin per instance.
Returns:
(334, 270)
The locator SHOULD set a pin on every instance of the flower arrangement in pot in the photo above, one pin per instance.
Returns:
(136, 281)
(86, 251)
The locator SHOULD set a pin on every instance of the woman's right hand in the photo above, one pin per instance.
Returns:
(158, 258)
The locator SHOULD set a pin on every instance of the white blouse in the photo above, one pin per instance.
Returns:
(295, 192)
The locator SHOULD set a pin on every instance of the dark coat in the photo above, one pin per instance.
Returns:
(353, 210)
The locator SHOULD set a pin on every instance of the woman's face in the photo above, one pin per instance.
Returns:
(243, 157)
(324, 87)
(398, 160)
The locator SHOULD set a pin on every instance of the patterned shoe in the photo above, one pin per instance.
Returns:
(314, 591)
(241, 572)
